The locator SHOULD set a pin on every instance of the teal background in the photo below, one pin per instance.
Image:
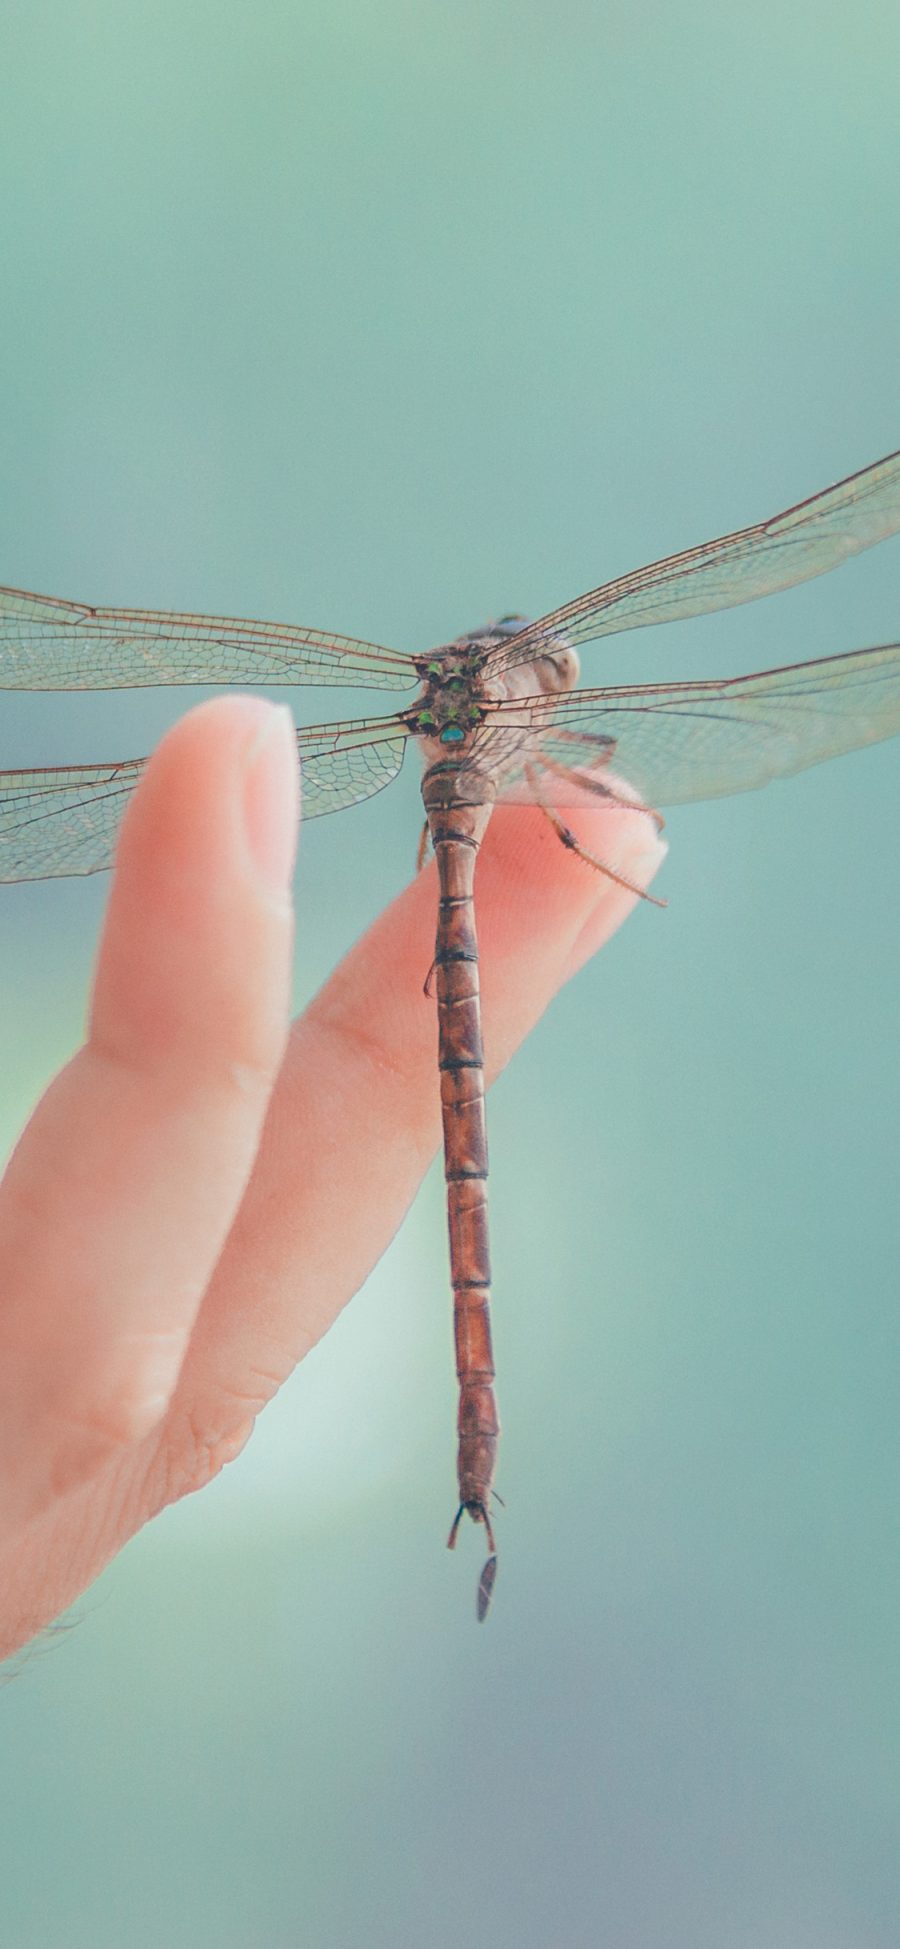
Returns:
(393, 317)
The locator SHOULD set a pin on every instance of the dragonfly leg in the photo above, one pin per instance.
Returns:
(578, 776)
(567, 837)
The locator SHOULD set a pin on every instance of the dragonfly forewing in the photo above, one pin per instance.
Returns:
(47, 644)
(805, 540)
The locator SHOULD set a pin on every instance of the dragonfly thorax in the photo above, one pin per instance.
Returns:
(452, 700)
(458, 682)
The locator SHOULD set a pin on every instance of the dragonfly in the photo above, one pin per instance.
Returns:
(498, 713)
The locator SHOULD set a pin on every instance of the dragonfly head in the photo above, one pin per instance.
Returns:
(500, 631)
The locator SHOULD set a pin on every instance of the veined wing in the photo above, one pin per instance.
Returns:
(47, 644)
(673, 743)
(65, 819)
(804, 541)
(340, 764)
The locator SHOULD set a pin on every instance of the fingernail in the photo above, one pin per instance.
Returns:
(271, 791)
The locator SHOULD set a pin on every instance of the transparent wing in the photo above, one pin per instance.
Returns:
(804, 541)
(62, 820)
(46, 644)
(341, 764)
(66, 819)
(674, 743)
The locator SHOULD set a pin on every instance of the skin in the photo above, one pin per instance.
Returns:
(175, 1226)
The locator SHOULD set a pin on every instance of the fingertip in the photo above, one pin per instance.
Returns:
(220, 792)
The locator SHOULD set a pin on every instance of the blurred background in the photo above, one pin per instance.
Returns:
(390, 318)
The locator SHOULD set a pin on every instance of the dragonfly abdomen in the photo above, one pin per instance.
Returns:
(457, 825)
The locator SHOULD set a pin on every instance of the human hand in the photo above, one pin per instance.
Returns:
(200, 1191)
